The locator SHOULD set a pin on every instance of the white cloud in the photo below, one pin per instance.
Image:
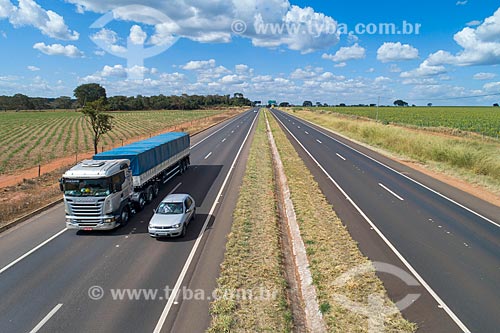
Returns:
(209, 21)
(462, 2)
(395, 69)
(195, 65)
(347, 53)
(473, 23)
(480, 46)
(137, 35)
(390, 52)
(492, 87)
(233, 79)
(58, 49)
(29, 13)
(108, 40)
(484, 76)
(297, 28)
(33, 68)
(425, 69)
(340, 65)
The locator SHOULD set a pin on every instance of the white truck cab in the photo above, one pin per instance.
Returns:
(97, 194)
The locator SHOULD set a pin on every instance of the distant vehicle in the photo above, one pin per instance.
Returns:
(100, 194)
(172, 216)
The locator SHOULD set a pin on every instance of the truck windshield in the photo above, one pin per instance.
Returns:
(169, 208)
(86, 187)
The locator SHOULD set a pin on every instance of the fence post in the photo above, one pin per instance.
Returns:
(39, 170)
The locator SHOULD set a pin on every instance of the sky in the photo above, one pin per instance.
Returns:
(444, 52)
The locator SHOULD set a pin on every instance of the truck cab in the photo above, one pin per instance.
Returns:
(97, 194)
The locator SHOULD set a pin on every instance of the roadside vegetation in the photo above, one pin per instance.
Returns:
(330, 249)
(473, 159)
(253, 254)
(457, 120)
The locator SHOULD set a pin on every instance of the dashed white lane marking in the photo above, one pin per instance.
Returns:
(342, 157)
(46, 318)
(224, 140)
(209, 154)
(391, 192)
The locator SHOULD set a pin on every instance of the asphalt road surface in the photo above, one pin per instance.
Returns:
(448, 240)
(46, 272)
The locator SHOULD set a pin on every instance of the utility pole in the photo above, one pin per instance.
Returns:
(378, 103)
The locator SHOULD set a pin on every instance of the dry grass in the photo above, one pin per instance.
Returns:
(474, 160)
(330, 249)
(31, 194)
(253, 253)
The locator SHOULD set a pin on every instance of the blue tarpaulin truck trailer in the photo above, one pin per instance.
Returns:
(100, 194)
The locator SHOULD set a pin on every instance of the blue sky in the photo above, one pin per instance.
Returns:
(272, 49)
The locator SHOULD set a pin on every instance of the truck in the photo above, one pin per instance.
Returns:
(102, 193)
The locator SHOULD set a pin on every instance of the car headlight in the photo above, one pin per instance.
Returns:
(110, 220)
(175, 226)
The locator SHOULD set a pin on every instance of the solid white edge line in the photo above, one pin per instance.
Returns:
(305, 122)
(46, 318)
(32, 250)
(342, 157)
(390, 191)
(209, 154)
(220, 129)
(389, 244)
(182, 275)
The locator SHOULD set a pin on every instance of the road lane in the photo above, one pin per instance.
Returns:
(454, 250)
(62, 271)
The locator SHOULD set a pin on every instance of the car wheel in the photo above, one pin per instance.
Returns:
(184, 231)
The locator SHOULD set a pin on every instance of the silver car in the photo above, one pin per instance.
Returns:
(172, 216)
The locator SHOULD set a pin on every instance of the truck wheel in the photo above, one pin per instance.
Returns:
(181, 167)
(149, 194)
(124, 216)
(141, 203)
(156, 189)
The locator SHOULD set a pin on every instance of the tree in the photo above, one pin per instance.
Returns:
(63, 102)
(495, 105)
(99, 122)
(307, 104)
(400, 102)
(89, 92)
(429, 104)
(284, 105)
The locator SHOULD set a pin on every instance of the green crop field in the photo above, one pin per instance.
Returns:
(30, 138)
(482, 120)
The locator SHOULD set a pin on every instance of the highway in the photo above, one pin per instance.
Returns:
(447, 239)
(46, 271)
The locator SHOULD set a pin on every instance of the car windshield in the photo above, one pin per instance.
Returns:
(86, 187)
(169, 208)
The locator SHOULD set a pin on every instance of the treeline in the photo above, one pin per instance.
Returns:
(124, 103)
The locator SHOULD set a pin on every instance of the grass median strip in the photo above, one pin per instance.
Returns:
(252, 287)
(332, 252)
